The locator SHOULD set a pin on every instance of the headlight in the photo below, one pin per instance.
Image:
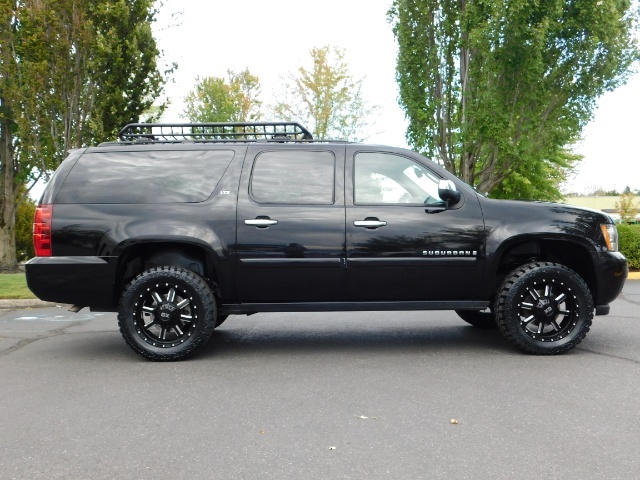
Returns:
(610, 233)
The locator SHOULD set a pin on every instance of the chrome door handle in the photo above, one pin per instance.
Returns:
(369, 223)
(261, 222)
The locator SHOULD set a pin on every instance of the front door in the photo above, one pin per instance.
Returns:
(290, 224)
(402, 243)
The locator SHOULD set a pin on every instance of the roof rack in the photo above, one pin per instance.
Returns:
(213, 132)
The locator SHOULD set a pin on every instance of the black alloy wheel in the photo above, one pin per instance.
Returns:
(544, 308)
(166, 313)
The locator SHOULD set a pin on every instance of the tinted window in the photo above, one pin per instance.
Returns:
(144, 177)
(392, 179)
(299, 177)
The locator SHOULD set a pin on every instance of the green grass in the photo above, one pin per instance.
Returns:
(14, 285)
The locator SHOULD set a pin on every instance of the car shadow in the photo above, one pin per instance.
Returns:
(396, 338)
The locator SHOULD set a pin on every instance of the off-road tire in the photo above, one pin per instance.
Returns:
(166, 313)
(544, 308)
(478, 318)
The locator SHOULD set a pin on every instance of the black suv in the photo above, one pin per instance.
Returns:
(178, 226)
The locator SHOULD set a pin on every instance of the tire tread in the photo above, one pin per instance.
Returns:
(512, 335)
(206, 324)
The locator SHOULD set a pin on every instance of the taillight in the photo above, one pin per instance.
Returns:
(42, 230)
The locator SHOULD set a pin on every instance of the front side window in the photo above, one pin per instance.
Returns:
(386, 178)
(294, 177)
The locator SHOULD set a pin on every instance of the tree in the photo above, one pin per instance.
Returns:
(497, 91)
(71, 73)
(24, 229)
(325, 98)
(537, 180)
(126, 74)
(627, 207)
(216, 99)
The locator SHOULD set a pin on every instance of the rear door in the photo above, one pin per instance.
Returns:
(402, 244)
(290, 224)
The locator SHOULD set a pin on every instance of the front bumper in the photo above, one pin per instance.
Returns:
(84, 281)
(611, 272)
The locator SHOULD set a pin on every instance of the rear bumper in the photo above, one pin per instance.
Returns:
(85, 281)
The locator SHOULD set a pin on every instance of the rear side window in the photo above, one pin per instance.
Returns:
(144, 177)
(294, 177)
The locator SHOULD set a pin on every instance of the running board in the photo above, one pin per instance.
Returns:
(246, 308)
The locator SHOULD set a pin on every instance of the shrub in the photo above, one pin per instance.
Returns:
(629, 242)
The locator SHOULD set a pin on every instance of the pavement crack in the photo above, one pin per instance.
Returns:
(627, 298)
(617, 357)
(51, 333)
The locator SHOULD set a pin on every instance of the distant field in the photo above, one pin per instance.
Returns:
(14, 285)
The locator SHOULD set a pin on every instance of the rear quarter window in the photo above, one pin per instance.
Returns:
(144, 177)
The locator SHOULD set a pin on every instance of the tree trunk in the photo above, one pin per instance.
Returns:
(8, 261)
(467, 160)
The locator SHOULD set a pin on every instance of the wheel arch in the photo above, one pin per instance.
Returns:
(573, 253)
(195, 256)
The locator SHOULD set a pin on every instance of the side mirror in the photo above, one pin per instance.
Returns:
(448, 193)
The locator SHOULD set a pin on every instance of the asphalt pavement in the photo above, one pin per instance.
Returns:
(366, 395)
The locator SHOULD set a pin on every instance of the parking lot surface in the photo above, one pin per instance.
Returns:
(361, 395)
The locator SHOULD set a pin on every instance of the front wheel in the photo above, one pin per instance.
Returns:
(166, 313)
(544, 308)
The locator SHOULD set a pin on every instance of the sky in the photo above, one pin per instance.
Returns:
(272, 39)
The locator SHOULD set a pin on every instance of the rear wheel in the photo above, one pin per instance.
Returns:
(544, 308)
(166, 313)
(478, 318)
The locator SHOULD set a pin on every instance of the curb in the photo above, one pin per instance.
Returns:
(10, 304)
(634, 276)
